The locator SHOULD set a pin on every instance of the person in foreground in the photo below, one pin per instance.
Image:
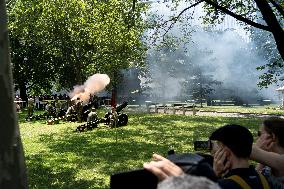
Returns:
(232, 146)
(269, 150)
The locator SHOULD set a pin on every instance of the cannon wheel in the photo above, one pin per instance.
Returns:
(81, 128)
(122, 120)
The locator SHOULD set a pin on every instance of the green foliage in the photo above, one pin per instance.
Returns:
(67, 41)
(200, 85)
(266, 49)
(246, 8)
(264, 15)
(163, 65)
(59, 158)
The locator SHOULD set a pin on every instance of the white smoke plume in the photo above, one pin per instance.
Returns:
(94, 84)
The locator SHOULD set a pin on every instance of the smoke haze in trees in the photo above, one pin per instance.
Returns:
(223, 52)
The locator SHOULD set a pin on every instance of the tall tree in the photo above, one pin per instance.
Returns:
(69, 40)
(164, 68)
(200, 85)
(13, 170)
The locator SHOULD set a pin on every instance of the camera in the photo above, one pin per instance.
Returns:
(190, 163)
(139, 178)
(203, 145)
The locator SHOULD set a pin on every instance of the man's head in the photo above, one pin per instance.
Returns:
(235, 137)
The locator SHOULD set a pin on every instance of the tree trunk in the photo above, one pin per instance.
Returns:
(12, 165)
(201, 94)
(113, 97)
(23, 91)
(272, 22)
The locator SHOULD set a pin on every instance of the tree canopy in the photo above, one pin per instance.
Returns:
(65, 41)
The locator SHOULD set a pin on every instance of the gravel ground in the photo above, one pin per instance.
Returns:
(211, 113)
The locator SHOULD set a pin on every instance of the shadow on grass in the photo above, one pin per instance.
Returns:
(46, 177)
(105, 151)
(74, 153)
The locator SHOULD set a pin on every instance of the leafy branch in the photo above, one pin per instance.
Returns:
(238, 17)
(176, 18)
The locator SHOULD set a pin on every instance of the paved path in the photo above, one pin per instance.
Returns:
(211, 113)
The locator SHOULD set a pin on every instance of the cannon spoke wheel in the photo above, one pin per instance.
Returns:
(122, 120)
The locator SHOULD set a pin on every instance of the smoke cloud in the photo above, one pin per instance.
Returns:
(94, 84)
(225, 51)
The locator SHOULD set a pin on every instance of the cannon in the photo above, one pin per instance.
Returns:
(122, 118)
(86, 109)
(87, 126)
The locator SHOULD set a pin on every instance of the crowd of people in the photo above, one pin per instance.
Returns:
(62, 107)
(232, 151)
(39, 102)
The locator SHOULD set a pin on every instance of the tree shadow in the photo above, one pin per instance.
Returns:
(108, 151)
(47, 177)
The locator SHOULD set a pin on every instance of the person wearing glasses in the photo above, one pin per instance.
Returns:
(268, 150)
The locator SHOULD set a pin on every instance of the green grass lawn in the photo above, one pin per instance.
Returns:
(57, 157)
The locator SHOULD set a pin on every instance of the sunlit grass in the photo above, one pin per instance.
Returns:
(57, 157)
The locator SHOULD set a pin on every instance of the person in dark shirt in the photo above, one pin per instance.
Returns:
(249, 175)
(232, 146)
(231, 149)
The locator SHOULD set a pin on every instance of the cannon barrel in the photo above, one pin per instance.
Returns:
(121, 107)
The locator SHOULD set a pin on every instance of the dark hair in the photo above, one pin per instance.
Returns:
(237, 138)
(275, 125)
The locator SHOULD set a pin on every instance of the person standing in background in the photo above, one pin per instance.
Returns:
(30, 106)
